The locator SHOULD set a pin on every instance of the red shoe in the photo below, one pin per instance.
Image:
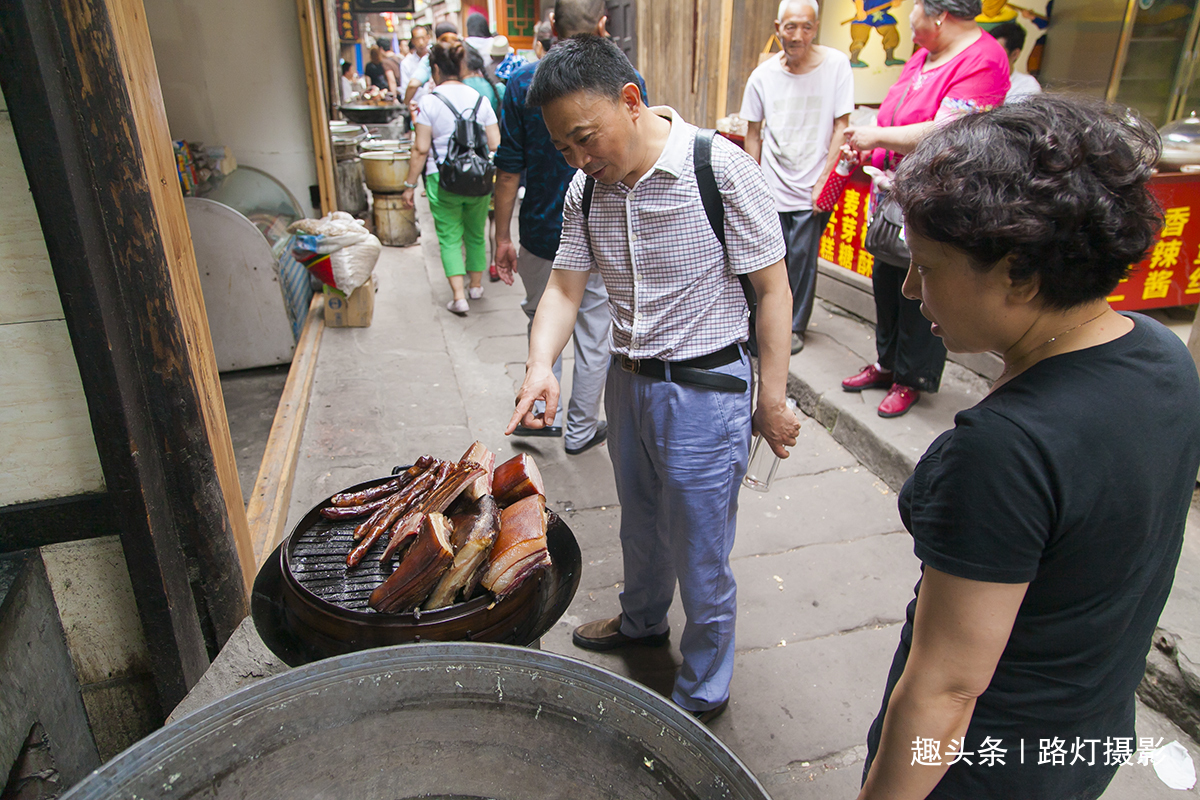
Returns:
(899, 400)
(871, 377)
(493, 274)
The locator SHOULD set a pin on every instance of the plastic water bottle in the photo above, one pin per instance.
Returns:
(763, 461)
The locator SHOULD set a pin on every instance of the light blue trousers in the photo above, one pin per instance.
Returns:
(679, 454)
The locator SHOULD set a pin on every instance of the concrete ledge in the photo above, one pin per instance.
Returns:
(852, 292)
(838, 344)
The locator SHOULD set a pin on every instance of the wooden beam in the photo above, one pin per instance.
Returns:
(310, 42)
(723, 45)
(272, 493)
(116, 255)
(150, 117)
(64, 519)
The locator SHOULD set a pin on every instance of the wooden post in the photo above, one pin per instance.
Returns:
(723, 44)
(81, 84)
(310, 42)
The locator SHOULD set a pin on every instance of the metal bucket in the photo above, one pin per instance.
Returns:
(385, 171)
(395, 224)
(433, 721)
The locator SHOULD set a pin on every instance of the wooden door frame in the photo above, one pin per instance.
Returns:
(86, 109)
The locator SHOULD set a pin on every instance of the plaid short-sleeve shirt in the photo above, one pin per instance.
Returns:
(673, 292)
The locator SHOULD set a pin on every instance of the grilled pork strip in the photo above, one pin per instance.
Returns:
(515, 479)
(472, 540)
(458, 478)
(477, 453)
(411, 495)
(520, 548)
(420, 569)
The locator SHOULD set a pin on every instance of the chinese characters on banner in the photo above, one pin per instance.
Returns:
(347, 24)
(1169, 276)
(842, 241)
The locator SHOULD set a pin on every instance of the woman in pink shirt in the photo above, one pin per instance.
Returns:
(959, 69)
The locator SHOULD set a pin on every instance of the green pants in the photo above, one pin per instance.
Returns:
(458, 220)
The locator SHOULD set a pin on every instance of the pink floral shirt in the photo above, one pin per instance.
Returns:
(974, 80)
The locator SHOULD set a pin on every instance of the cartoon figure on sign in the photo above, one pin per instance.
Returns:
(996, 12)
(874, 14)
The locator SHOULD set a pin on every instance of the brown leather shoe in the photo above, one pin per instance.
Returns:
(605, 634)
(708, 715)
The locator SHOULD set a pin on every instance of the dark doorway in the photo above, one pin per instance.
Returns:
(622, 26)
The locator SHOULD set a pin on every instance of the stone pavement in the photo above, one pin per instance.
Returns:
(824, 567)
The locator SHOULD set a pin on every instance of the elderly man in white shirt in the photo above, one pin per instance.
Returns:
(678, 391)
(797, 104)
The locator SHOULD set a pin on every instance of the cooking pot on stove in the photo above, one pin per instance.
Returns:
(308, 605)
(432, 721)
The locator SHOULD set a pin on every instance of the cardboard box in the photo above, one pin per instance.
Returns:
(354, 311)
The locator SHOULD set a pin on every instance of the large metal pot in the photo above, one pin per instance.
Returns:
(433, 720)
(1180, 143)
(368, 115)
(386, 171)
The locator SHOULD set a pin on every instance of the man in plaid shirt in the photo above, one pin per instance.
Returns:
(678, 394)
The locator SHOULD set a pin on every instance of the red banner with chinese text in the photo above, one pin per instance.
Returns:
(1169, 276)
(842, 241)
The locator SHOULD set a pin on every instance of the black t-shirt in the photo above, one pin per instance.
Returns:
(1075, 477)
(376, 74)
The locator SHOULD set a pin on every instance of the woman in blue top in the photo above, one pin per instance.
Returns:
(1049, 520)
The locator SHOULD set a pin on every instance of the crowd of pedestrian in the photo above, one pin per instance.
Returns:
(1001, 221)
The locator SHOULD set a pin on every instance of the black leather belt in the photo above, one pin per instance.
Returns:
(693, 371)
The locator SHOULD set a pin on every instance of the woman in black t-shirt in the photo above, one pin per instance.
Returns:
(1050, 519)
(374, 69)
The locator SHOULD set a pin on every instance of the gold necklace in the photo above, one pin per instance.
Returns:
(1047, 343)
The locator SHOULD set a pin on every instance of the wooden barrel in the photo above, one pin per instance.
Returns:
(395, 224)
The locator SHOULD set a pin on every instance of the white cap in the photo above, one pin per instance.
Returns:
(499, 46)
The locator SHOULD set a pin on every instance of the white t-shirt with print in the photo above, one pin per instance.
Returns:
(797, 112)
(433, 112)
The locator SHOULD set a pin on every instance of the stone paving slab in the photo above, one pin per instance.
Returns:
(813, 646)
(810, 509)
(823, 590)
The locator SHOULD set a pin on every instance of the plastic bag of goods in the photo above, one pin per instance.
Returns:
(337, 248)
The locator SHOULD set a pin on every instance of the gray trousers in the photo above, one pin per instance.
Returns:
(802, 233)
(591, 346)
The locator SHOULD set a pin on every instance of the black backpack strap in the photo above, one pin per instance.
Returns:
(710, 196)
(589, 186)
(449, 105)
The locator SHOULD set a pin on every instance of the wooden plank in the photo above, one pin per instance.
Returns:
(71, 117)
(318, 113)
(64, 519)
(272, 493)
(150, 117)
(723, 46)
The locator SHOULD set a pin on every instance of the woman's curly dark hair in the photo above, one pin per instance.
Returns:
(1059, 183)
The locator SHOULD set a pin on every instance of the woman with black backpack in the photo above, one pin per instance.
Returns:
(459, 128)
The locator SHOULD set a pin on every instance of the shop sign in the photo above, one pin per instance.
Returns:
(842, 241)
(347, 25)
(1170, 274)
(381, 6)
